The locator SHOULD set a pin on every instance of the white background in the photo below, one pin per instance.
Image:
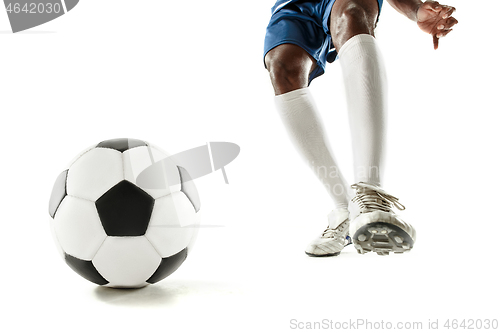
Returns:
(179, 74)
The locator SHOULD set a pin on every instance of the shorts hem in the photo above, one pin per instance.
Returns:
(298, 43)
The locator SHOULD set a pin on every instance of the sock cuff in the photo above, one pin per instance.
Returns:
(291, 95)
(354, 45)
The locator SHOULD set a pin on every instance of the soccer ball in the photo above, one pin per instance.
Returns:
(112, 231)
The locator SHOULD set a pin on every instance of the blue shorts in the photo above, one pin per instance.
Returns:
(303, 23)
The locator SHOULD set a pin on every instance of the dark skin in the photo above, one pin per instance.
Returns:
(431, 17)
(289, 65)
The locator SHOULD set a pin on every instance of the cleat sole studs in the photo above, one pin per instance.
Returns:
(382, 238)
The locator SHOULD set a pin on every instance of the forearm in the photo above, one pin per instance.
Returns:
(408, 8)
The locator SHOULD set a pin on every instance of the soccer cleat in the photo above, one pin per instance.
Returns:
(334, 238)
(374, 226)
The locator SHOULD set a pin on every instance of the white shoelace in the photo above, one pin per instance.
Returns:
(370, 200)
(330, 232)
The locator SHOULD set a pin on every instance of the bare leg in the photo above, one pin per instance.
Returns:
(350, 18)
(289, 67)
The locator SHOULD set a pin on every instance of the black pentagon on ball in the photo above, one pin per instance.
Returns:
(125, 210)
(122, 144)
(168, 266)
(86, 269)
(58, 193)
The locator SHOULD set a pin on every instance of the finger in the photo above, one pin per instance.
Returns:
(447, 24)
(436, 41)
(447, 11)
(435, 6)
(450, 22)
(432, 5)
(443, 33)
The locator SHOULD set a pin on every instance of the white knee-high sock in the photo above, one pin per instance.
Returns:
(366, 90)
(303, 124)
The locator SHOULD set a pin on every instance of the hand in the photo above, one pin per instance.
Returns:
(435, 19)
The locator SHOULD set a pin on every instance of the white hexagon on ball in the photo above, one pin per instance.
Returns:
(126, 262)
(94, 173)
(138, 159)
(78, 228)
(174, 223)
